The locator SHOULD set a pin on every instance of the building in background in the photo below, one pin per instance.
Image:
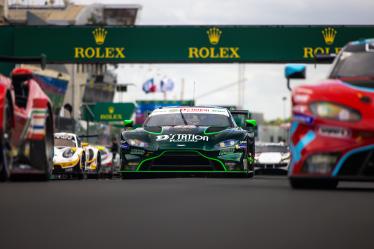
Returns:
(90, 77)
(273, 133)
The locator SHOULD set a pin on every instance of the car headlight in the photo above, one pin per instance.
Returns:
(334, 111)
(68, 153)
(286, 156)
(226, 144)
(137, 143)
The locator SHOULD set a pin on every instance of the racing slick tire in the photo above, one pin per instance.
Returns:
(97, 174)
(79, 169)
(313, 183)
(5, 145)
(98, 166)
(41, 152)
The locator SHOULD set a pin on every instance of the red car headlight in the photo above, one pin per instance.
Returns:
(335, 111)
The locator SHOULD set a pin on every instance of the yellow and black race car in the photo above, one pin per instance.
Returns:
(69, 156)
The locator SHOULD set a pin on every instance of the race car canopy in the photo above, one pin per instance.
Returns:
(198, 110)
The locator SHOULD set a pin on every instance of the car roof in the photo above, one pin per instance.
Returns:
(364, 45)
(200, 106)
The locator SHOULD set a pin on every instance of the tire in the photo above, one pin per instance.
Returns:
(41, 152)
(80, 168)
(313, 183)
(250, 171)
(98, 165)
(6, 159)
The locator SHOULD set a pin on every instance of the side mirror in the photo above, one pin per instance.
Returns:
(128, 123)
(294, 71)
(250, 123)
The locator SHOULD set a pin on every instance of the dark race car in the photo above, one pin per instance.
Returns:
(186, 140)
(332, 131)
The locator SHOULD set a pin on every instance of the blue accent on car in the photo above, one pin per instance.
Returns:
(293, 128)
(125, 146)
(296, 150)
(359, 88)
(347, 155)
(38, 127)
(303, 118)
(363, 41)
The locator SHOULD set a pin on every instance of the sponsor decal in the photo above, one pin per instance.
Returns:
(334, 132)
(64, 136)
(99, 52)
(190, 110)
(226, 151)
(213, 52)
(328, 35)
(175, 138)
(137, 152)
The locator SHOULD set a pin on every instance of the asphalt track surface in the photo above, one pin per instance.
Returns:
(263, 212)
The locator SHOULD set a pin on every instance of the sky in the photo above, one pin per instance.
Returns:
(265, 85)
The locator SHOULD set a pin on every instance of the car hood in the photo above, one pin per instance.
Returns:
(270, 157)
(184, 137)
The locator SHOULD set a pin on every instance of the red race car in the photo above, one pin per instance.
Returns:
(26, 128)
(332, 130)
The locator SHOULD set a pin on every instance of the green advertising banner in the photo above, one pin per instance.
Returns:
(107, 112)
(174, 44)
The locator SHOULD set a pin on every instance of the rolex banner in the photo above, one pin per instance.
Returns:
(173, 44)
(108, 112)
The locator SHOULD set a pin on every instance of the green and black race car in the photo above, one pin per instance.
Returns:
(186, 140)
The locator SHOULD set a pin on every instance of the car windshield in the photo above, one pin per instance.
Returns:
(271, 148)
(198, 119)
(354, 64)
(64, 142)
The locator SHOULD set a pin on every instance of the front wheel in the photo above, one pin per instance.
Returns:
(313, 183)
(5, 144)
(41, 152)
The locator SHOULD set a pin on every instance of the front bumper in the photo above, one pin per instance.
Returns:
(65, 164)
(264, 166)
(354, 165)
(184, 161)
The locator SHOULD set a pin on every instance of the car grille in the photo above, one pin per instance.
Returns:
(270, 166)
(182, 161)
(360, 164)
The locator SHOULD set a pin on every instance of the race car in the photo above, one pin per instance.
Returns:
(332, 130)
(26, 128)
(271, 158)
(186, 140)
(93, 160)
(107, 167)
(69, 156)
